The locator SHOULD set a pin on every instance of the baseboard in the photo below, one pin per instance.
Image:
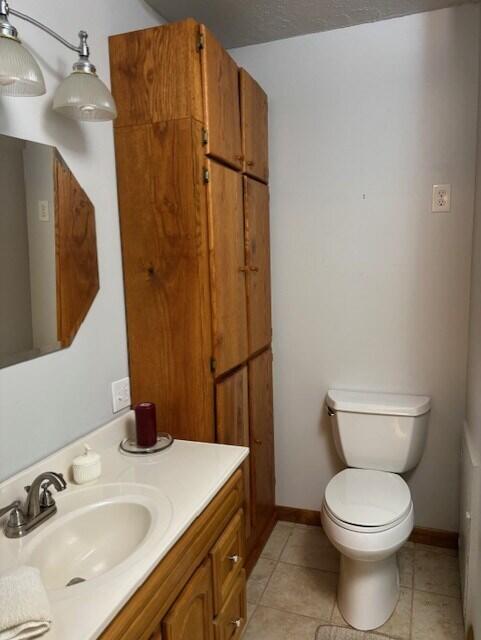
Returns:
(300, 516)
(435, 537)
(432, 537)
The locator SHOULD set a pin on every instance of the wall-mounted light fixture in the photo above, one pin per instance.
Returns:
(80, 96)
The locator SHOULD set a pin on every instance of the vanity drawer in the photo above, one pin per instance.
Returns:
(231, 621)
(228, 555)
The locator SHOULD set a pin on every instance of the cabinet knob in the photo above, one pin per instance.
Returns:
(237, 622)
(256, 441)
(256, 269)
(250, 163)
(244, 269)
(235, 558)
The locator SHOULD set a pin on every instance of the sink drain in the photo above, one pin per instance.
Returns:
(73, 581)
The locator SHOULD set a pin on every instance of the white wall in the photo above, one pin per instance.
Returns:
(15, 301)
(55, 399)
(38, 169)
(473, 399)
(370, 289)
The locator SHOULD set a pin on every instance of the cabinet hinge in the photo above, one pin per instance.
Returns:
(206, 176)
(200, 42)
(205, 136)
(213, 364)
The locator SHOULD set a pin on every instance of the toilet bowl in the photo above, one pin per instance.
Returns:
(368, 516)
(367, 511)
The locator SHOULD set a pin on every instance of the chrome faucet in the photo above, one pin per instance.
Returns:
(39, 505)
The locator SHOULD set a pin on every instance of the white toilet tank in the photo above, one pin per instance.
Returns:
(381, 431)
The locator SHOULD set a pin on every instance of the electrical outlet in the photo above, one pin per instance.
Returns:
(121, 395)
(441, 198)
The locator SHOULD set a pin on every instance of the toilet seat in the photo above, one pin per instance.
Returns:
(367, 501)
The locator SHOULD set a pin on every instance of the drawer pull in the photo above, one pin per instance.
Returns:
(237, 622)
(235, 558)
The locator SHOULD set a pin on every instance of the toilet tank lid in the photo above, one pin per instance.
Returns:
(390, 404)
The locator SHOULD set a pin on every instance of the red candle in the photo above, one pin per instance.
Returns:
(146, 424)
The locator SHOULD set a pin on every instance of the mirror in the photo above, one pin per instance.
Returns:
(48, 251)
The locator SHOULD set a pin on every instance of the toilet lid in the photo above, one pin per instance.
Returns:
(368, 498)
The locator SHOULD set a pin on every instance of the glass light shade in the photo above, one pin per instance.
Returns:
(83, 96)
(20, 74)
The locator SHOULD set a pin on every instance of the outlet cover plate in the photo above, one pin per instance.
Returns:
(441, 198)
(121, 395)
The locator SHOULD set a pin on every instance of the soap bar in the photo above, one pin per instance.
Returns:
(146, 424)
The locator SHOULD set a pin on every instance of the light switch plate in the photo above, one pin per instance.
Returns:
(441, 198)
(43, 212)
(121, 395)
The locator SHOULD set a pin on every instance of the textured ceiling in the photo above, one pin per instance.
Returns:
(241, 22)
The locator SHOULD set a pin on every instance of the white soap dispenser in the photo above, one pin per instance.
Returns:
(87, 467)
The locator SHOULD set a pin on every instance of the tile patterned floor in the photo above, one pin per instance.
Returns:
(292, 590)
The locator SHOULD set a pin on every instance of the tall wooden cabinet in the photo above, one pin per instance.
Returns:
(192, 168)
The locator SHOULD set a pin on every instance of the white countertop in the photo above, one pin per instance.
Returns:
(188, 474)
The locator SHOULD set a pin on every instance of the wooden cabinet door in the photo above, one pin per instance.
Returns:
(232, 420)
(156, 635)
(232, 409)
(262, 440)
(256, 211)
(254, 127)
(166, 273)
(220, 77)
(191, 616)
(227, 267)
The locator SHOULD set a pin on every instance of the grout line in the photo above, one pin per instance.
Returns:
(250, 619)
(295, 613)
(412, 611)
(436, 593)
(276, 562)
(305, 566)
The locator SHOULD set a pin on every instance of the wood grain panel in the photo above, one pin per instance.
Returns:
(156, 74)
(76, 252)
(191, 616)
(232, 423)
(231, 621)
(165, 258)
(257, 236)
(221, 102)
(232, 409)
(262, 440)
(254, 119)
(227, 267)
(228, 557)
(141, 615)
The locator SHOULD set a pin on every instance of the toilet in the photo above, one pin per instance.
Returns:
(367, 511)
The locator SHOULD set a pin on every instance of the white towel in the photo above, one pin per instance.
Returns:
(24, 605)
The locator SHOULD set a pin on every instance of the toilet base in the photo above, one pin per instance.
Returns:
(368, 591)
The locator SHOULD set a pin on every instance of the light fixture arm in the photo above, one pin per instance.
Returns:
(82, 48)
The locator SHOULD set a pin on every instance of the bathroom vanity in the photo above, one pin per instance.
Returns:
(158, 543)
(199, 586)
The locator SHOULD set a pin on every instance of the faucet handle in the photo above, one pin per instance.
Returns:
(46, 499)
(16, 519)
(14, 505)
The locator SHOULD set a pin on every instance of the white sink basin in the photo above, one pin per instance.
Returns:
(97, 531)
